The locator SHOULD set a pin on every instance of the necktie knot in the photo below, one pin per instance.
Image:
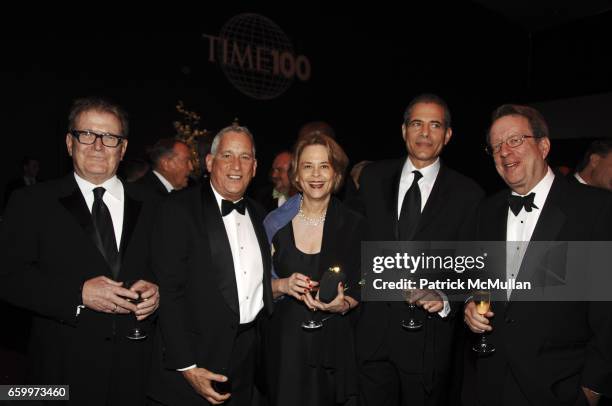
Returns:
(98, 193)
(518, 202)
(227, 207)
(417, 175)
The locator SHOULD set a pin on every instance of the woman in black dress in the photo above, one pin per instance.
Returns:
(312, 233)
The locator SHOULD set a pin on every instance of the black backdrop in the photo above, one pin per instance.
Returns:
(368, 60)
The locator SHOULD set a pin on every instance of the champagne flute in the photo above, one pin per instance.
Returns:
(137, 332)
(482, 300)
(412, 323)
(312, 324)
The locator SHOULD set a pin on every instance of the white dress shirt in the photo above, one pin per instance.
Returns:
(248, 264)
(113, 198)
(164, 181)
(520, 228)
(426, 183)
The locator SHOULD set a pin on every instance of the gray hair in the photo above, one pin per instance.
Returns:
(231, 128)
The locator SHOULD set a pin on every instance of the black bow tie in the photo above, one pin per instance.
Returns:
(518, 202)
(227, 207)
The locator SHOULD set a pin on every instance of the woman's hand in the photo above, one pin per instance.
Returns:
(297, 285)
(340, 304)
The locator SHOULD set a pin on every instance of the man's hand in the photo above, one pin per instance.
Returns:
(106, 295)
(200, 379)
(592, 397)
(149, 292)
(429, 300)
(476, 322)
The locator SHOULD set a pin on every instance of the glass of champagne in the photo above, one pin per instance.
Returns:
(136, 333)
(312, 324)
(411, 324)
(482, 300)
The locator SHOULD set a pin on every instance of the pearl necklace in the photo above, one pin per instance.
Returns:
(311, 221)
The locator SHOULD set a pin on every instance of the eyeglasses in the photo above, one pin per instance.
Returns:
(88, 137)
(512, 142)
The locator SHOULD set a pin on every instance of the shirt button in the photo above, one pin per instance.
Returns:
(522, 221)
(241, 248)
(245, 274)
(247, 298)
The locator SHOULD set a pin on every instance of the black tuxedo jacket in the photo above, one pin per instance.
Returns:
(548, 349)
(447, 216)
(264, 197)
(47, 250)
(149, 187)
(199, 317)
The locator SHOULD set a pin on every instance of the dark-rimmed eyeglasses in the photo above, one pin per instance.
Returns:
(88, 137)
(512, 142)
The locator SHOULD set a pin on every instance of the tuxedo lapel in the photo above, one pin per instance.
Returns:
(547, 228)
(391, 188)
(73, 201)
(552, 218)
(437, 198)
(220, 250)
(265, 254)
(131, 212)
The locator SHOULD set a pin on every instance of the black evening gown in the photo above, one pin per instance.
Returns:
(309, 368)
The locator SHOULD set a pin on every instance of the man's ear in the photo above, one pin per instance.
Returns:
(544, 146)
(594, 160)
(209, 162)
(448, 135)
(69, 141)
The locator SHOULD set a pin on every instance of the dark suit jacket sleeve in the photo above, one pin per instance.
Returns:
(597, 371)
(24, 279)
(170, 253)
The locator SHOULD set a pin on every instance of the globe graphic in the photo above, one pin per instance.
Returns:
(254, 30)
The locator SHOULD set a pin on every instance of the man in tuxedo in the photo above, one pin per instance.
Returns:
(171, 160)
(273, 197)
(30, 167)
(547, 353)
(415, 198)
(596, 166)
(212, 259)
(67, 248)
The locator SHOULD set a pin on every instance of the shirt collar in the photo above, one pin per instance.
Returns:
(164, 181)
(580, 178)
(430, 172)
(112, 185)
(219, 198)
(542, 189)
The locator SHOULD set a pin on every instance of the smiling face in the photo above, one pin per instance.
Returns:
(425, 133)
(315, 174)
(233, 165)
(96, 163)
(524, 166)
